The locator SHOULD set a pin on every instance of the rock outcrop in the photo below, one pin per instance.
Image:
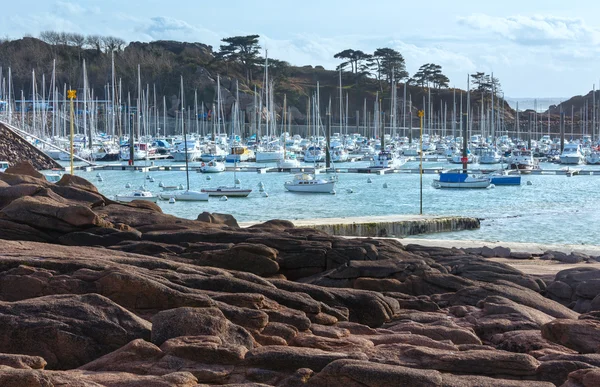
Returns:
(96, 293)
(15, 149)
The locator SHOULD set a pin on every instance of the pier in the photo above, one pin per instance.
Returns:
(387, 226)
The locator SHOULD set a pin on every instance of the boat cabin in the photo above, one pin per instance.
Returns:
(3, 166)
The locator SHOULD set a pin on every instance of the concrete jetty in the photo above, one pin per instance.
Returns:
(387, 226)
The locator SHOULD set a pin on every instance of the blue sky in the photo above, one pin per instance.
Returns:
(536, 49)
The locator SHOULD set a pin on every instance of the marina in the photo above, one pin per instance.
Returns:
(548, 206)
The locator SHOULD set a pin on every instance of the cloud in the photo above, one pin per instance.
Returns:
(168, 28)
(69, 8)
(537, 30)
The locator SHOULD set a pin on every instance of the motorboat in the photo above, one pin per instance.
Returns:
(193, 151)
(271, 153)
(457, 158)
(459, 179)
(489, 156)
(139, 194)
(212, 166)
(307, 183)
(239, 153)
(571, 154)
(213, 151)
(290, 161)
(523, 161)
(593, 158)
(185, 196)
(4, 166)
(385, 160)
(314, 154)
(505, 177)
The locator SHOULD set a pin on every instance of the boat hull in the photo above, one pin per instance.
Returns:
(506, 180)
(473, 184)
(238, 193)
(186, 196)
(128, 199)
(311, 188)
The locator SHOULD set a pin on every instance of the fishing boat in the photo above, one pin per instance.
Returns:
(239, 153)
(3, 166)
(308, 183)
(459, 179)
(212, 166)
(138, 194)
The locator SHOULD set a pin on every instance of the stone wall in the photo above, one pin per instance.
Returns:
(14, 149)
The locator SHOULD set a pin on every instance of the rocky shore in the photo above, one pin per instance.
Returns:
(15, 149)
(95, 293)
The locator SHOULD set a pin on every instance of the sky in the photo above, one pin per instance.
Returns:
(547, 49)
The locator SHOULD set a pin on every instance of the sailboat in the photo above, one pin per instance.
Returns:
(187, 195)
(235, 190)
(287, 161)
(309, 183)
(460, 178)
(141, 193)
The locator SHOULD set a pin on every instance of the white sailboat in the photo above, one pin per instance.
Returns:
(187, 195)
(288, 161)
(141, 193)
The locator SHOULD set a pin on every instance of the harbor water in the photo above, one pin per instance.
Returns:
(543, 209)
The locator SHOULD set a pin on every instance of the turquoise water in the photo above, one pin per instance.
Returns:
(553, 209)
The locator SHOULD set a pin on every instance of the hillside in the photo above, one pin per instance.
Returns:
(163, 62)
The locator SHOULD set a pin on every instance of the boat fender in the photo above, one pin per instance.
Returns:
(203, 164)
(529, 182)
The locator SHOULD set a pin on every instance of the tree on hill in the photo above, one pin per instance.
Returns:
(485, 83)
(389, 64)
(430, 74)
(241, 49)
(356, 58)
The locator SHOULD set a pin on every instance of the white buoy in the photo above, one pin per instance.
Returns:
(129, 185)
(223, 198)
(159, 184)
(147, 177)
(142, 188)
(332, 192)
(100, 179)
(238, 181)
(529, 182)
(385, 185)
(151, 180)
(180, 186)
(491, 186)
(208, 177)
(261, 185)
(98, 174)
(261, 189)
(172, 200)
(264, 194)
(369, 180)
(350, 190)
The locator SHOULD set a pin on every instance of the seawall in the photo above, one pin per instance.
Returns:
(388, 226)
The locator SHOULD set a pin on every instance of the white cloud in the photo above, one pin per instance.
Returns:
(69, 8)
(537, 30)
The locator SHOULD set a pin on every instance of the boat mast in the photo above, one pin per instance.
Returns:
(187, 173)
(464, 134)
